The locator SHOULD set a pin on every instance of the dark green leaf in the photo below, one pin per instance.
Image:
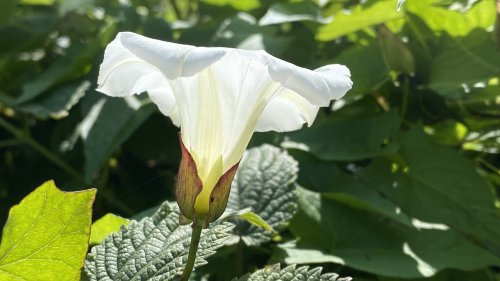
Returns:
(435, 184)
(107, 125)
(348, 140)
(332, 232)
(463, 62)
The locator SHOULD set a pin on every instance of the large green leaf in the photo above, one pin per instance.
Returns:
(360, 17)
(454, 22)
(435, 184)
(265, 183)
(351, 139)
(292, 272)
(333, 232)
(154, 248)
(326, 177)
(463, 61)
(107, 125)
(367, 67)
(46, 235)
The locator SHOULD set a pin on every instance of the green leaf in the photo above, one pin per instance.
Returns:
(107, 125)
(7, 9)
(367, 67)
(37, 2)
(360, 17)
(351, 139)
(471, 58)
(333, 232)
(447, 132)
(264, 183)
(239, 5)
(104, 226)
(46, 235)
(256, 220)
(57, 103)
(291, 272)
(396, 53)
(77, 62)
(154, 248)
(440, 179)
(292, 12)
(57, 72)
(326, 177)
(454, 22)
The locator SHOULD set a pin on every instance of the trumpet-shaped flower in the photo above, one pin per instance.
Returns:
(218, 97)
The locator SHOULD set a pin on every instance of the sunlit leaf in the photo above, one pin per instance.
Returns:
(360, 17)
(46, 235)
(104, 226)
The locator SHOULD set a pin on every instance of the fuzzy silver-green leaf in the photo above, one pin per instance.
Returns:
(154, 248)
(290, 273)
(264, 183)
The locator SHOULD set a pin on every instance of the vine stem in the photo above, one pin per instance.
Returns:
(193, 248)
(404, 103)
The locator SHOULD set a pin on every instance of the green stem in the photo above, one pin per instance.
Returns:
(406, 92)
(193, 248)
(22, 136)
(11, 142)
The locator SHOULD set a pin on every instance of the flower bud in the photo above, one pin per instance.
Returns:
(192, 203)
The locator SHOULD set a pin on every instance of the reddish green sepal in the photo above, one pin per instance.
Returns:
(220, 195)
(188, 186)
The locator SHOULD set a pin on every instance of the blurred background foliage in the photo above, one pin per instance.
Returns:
(399, 179)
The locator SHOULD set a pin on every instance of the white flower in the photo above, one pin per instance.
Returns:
(218, 96)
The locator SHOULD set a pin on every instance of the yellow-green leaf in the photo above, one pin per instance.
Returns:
(256, 220)
(360, 17)
(104, 226)
(46, 235)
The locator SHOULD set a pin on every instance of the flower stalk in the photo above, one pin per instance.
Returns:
(193, 248)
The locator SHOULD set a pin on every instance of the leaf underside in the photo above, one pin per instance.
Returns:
(265, 183)
(154, 248)
(290, 273)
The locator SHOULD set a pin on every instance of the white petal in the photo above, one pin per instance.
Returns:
(219, 96)
(164, 99)
(286, 112)
(319, 87)
(172, 59)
